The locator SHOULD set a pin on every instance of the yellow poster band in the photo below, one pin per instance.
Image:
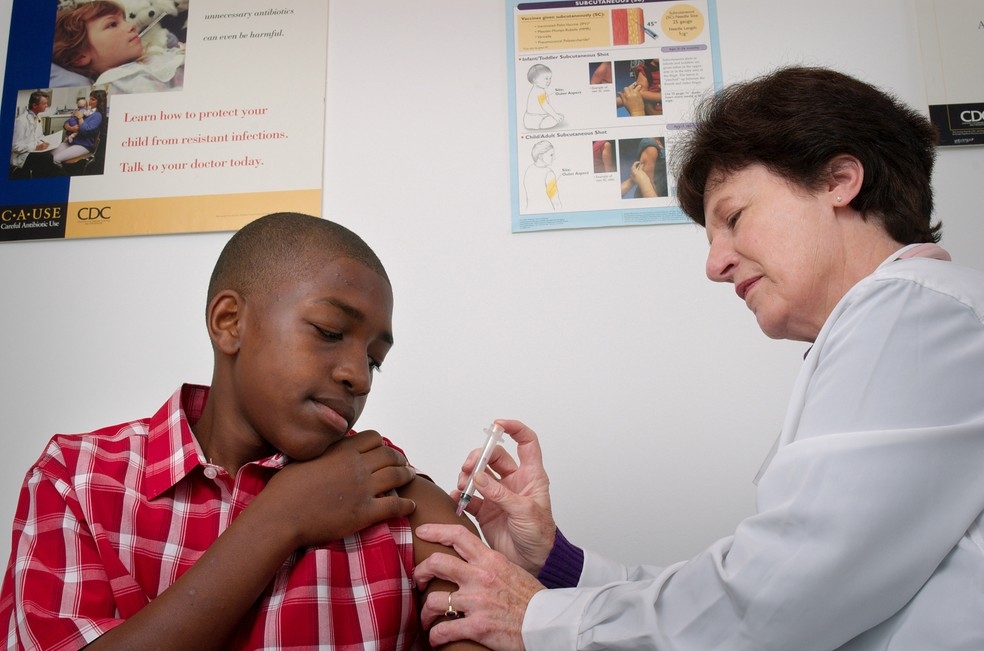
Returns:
(195, 214)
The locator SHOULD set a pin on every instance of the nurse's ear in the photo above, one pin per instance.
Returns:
(846, 177)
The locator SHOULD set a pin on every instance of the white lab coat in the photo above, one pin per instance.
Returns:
(868, 526)
(27, 136)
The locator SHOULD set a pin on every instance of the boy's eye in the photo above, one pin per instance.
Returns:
(328, 334)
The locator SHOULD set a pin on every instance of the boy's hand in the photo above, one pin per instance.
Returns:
(341, 492)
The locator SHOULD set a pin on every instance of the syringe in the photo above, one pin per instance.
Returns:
(494, 435)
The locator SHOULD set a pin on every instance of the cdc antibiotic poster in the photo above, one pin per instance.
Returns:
(172, 116)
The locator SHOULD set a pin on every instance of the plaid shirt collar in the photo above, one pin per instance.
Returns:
(172, 449)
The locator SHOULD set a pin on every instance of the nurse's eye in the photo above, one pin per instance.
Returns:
(732, 220)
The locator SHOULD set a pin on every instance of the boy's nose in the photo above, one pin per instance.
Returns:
(354, 373)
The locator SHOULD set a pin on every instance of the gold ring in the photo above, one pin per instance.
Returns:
(450, 612)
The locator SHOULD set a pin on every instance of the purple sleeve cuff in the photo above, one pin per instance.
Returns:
(563, 566)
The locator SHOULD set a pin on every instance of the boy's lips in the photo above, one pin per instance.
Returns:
(337, 412)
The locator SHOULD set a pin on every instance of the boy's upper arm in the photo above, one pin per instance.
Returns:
(435, 506)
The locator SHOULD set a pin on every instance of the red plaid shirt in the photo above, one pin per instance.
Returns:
(108, 520)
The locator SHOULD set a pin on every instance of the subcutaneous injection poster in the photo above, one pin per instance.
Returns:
(600, 92)
(951, 41)
(200, 121)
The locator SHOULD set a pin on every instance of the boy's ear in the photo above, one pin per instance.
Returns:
(224, 321)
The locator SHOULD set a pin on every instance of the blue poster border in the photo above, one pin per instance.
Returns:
(28, 67)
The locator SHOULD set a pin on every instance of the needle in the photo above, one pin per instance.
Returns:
(494, 435)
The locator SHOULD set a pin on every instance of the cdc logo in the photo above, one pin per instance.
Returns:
(971, 116)
(89, 213)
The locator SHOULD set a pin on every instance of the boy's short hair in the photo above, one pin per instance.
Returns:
(278, 246)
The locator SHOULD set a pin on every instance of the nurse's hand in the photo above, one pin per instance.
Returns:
(492, 593)
(514, 507)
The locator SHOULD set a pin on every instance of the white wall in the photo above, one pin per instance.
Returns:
(655, 394)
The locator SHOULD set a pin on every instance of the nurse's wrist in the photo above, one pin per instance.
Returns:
(564, 564)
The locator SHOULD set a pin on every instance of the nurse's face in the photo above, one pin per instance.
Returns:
(775, 242)
(112, 42)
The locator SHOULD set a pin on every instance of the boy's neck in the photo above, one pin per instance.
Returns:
(220, 445)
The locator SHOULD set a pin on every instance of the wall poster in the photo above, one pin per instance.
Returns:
(599, 93)
(160, 116)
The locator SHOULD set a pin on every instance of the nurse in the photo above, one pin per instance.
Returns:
(814, 189)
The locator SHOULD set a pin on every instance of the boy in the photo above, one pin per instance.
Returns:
(246, 515)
